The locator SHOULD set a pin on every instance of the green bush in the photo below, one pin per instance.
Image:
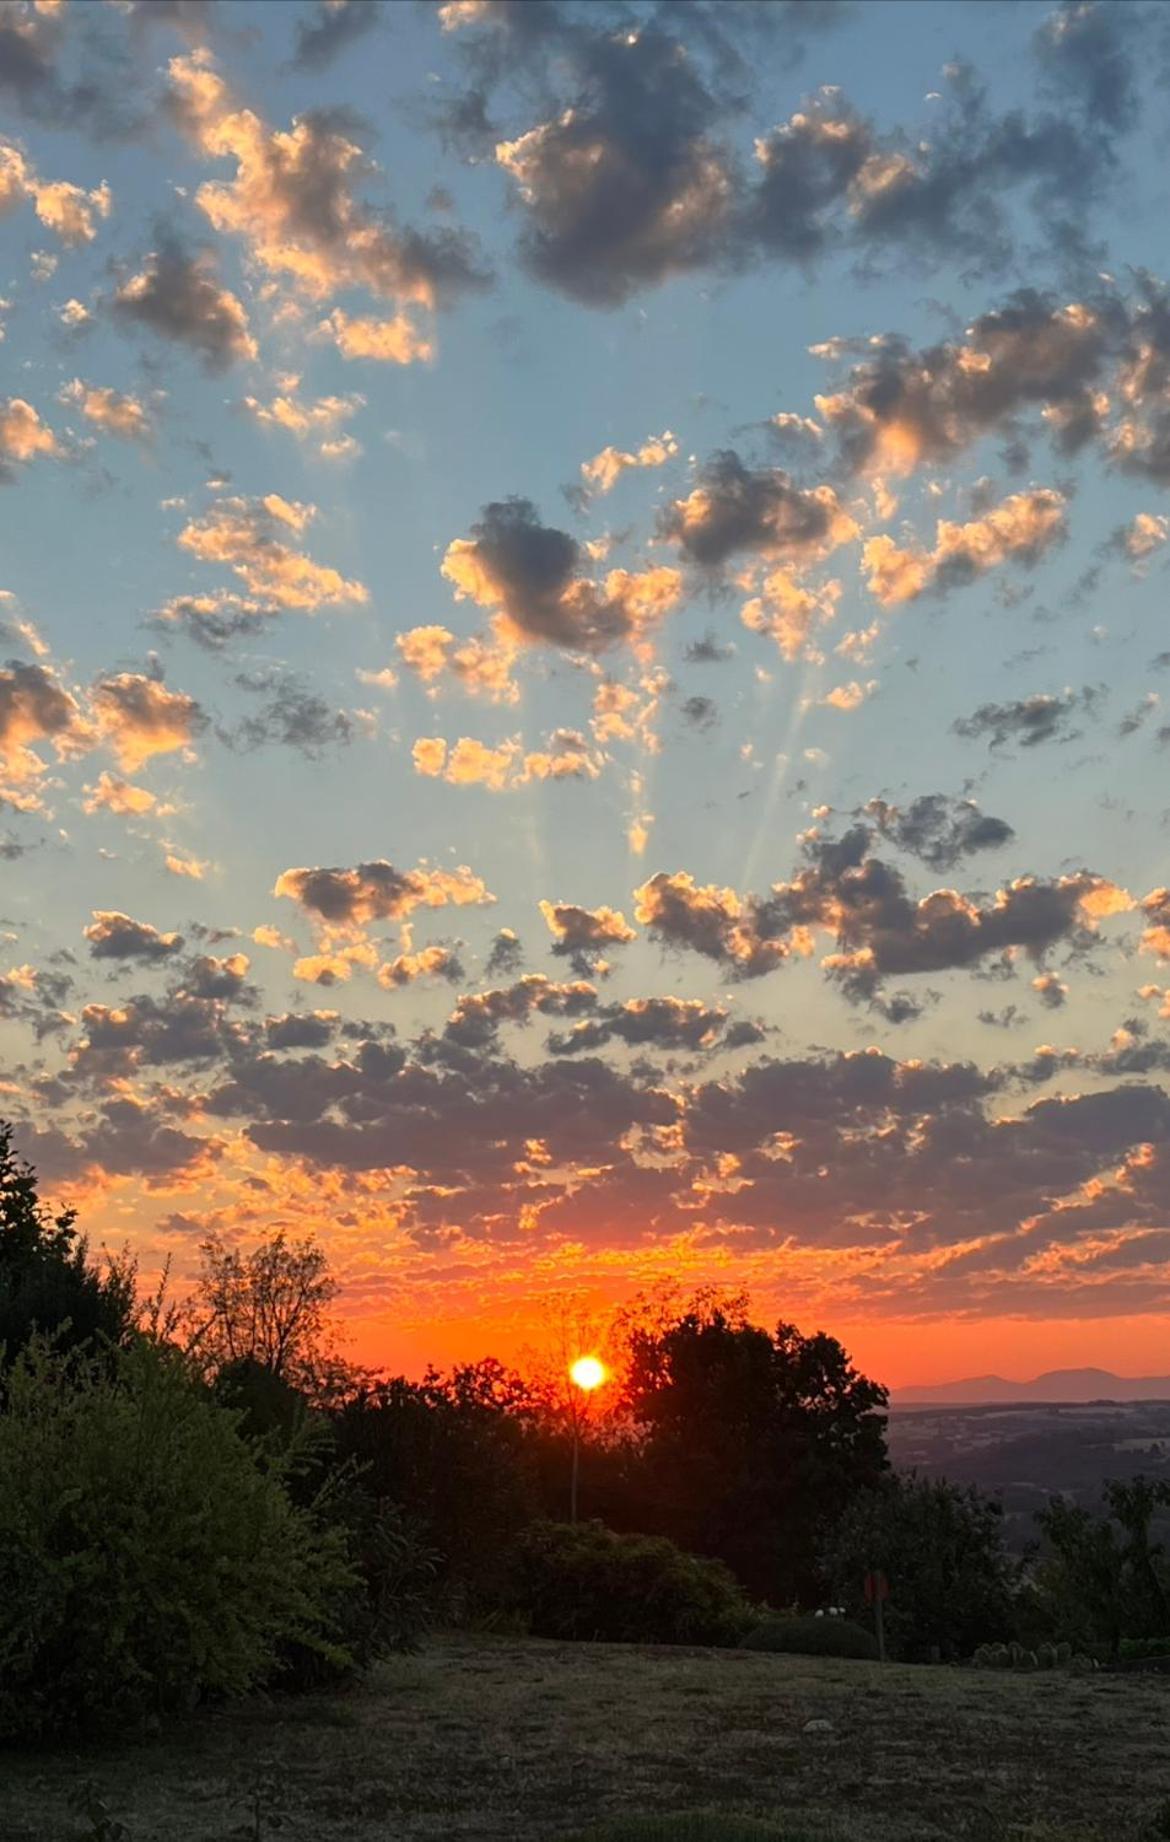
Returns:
(580, 1580)
(813, 1637)
(149, 1555)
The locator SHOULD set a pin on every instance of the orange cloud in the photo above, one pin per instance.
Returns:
(139, 718)
(1021, 528)
(67, 209)
(251, 536)
(110, 410)
(602, 473)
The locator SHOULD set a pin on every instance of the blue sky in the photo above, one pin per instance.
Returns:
(601, 250)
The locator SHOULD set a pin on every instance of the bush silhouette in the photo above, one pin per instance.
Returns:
(580, 1580)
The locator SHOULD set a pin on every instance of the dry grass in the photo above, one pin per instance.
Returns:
(529, 1742)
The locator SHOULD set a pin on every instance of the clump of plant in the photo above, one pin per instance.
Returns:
(810, 1636)
(149, 1554)
(581, 1580)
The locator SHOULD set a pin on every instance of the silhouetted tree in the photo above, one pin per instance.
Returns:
(752, 1444)
(47, 1280)
(1102, 1578)
(940, 1546)
(458, 1452)
(269, 1309)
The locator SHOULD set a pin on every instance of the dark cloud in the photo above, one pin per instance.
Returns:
(699, 712)
(301, 1029)
(708, 650)
(735, 509)
(477, 1017)
(377, 891)
(645, 1023)
(331, 27)
(881, 930)
(115, 936)
(584, 935)
(940, 831)
(1043, 717)
(178, 295)
(529, 570)
(1087, 51)
(506, 956)
(292, 717)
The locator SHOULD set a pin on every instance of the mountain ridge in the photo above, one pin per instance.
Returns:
(1059, 1386)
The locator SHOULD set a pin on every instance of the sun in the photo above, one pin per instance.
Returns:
(587, 1372)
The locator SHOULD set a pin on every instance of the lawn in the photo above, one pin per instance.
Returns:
(506, 1741)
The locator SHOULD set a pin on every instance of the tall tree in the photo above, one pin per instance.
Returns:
(267, 1309)
(47, 1279)
(753, 1443)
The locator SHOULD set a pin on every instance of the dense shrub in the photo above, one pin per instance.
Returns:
(941, 1548)
(813, 1637)
(149, 1555)
(580, 1580)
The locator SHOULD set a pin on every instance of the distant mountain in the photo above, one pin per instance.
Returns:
(1057, 1385)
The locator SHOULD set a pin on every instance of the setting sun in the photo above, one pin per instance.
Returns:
(588, 1373)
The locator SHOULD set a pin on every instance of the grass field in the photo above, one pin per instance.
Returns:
(507, 1741)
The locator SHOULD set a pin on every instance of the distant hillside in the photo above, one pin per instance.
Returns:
(1055, 1385)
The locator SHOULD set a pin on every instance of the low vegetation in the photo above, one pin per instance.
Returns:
(490, 1740)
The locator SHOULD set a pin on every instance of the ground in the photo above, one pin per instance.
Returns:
(506, 1741)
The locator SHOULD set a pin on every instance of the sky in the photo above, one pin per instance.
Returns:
(584, 660)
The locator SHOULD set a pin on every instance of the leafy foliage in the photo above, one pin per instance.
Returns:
(149, 1555)
(47, 1280)
(940, 1546)
(581, 1580)
(459, 1454)
(1103, 1578)
(752, 1444)
(813, 1637)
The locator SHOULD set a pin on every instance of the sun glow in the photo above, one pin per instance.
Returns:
(587, 1373)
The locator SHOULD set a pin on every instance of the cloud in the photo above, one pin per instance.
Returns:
(789, 612)
(258, 539)
(139, 718)
(433, 962)
(214, 620)
(467, 762)
(527, 570)
(507, 954)
(112, 935)
(178, 296)
(68, 210)
(377, 891)
(625, 186)
(23, 436)
(602, 473)
(1045, 716)
(330, 29)
(880, 929)
(112, 411)
(1146, 533)
(318, 420)
(121, 798)
(735, 509)
(708, 920)
(939, 831)
(476, 1018)
(292, 717)
(34, 708)
(584, 935)
(396, 341)
(646, 1023)
(292, 201)
(1021, 528)
(480, 667)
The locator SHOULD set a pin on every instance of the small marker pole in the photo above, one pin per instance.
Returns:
(880, 1627)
